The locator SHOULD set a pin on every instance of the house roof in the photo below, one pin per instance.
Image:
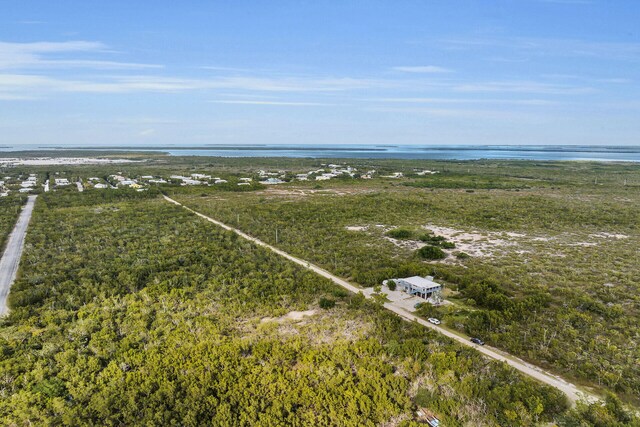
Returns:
(420, 282)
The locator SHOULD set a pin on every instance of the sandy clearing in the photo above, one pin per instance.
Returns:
(292, 315)
(474, 243)
(604, 235)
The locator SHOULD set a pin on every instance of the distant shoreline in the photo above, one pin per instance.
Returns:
(359, 148)
(379, 152)
(216, 148)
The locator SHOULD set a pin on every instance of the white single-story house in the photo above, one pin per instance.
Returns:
(272, 181)
(423, 287)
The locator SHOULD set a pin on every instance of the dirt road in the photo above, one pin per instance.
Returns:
(11, 257)
(571, 390)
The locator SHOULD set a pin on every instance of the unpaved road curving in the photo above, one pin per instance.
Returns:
(11, 257)
(571, 390)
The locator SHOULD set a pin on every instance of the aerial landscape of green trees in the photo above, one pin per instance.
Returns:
(129, 310)
(568, 274)
(137, 312)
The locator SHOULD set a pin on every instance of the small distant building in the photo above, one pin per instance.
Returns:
(245, 179)
(191, 182)
(220, 181)
(244, 183)
(25, 190)
(423, 287)
(146, 177)
(100, 186)
(93, 178)
(272, 181)
(62, 181)
(200, 176)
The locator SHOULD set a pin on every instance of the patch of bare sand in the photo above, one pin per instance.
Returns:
(292, 315)
(604, 235)
(475, 243)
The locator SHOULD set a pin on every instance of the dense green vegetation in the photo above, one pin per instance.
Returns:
(131, 311)
(565, 273)
(10, 208)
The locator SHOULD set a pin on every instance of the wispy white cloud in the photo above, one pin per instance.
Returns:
(527, 47)
(147, 132)
(523, 87)
(148, 83)
(527, 102)
(38, 55)
(283, 103)
(459, 113)
(429, 69)
(586, 78)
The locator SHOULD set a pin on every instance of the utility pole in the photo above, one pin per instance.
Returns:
(276, 235)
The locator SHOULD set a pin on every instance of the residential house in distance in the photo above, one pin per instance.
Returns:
(272, 181)
(62, 182)
(423, 287)
(188, 181)
(201, 176)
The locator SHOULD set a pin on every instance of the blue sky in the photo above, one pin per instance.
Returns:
(320, 72)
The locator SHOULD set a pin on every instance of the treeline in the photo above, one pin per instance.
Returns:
(137, 312)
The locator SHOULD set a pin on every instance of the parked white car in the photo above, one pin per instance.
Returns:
(434, 321)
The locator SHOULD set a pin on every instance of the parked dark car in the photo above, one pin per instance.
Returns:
(477, 341)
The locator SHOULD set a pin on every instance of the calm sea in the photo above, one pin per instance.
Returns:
(609, 153)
